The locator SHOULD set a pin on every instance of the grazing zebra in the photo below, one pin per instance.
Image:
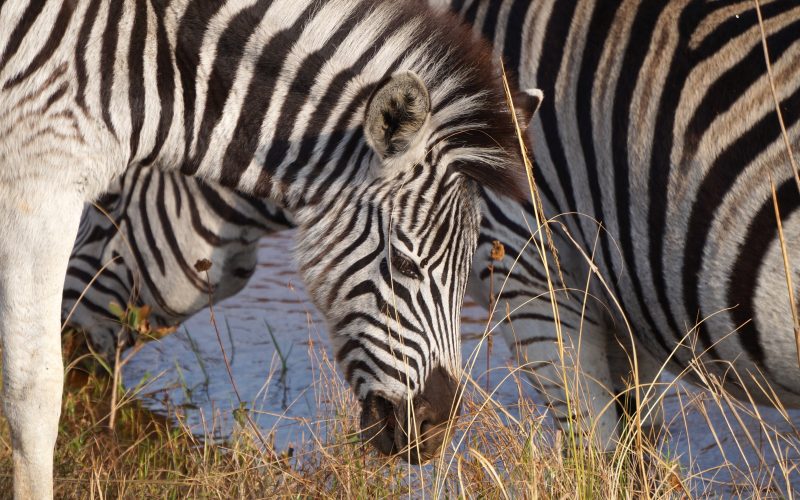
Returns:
(660, 124)
(372, 121)
(139, 242)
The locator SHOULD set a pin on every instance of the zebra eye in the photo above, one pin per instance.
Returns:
(405, 266)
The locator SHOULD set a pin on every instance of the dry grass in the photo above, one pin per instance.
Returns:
(505, 452)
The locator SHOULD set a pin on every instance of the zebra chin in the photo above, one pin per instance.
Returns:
(416, 430)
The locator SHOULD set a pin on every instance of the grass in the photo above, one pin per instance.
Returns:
(506, 452)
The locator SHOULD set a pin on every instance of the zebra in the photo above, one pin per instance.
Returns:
(654, 153)
(112, 261)
(374, 122)
(653, 157)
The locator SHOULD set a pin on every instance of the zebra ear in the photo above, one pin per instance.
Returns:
(395, 112)
(527, 103)
(535, 98)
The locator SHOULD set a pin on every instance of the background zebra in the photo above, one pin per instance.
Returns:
(333, 109)
(660, 124)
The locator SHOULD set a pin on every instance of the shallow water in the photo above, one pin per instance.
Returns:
(271, 334)
(270, 319)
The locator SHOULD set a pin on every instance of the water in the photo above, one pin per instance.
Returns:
(277, 374)
(191, 372)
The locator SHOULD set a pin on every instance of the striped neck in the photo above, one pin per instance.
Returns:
(274, 94)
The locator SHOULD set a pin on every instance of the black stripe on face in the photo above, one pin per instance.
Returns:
(98, 310)
(442, 220)
(429, 171)
(150, 239)
(368, 344)
(95, 264)
(211, 236)
(168, 236)
(142, 265)
(358, 366)
(383, 328)
(386, 369)
(401, 236)
(98, 285)
(430, 217)
(227, 211)
(363, 237)
(398, 291)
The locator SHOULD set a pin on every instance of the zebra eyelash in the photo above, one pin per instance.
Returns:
(405, 265)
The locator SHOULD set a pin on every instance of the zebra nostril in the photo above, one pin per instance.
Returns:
(415, 430)
(425, 428)
(420, 435)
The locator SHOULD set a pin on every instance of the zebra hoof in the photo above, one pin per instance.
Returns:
(416, 432)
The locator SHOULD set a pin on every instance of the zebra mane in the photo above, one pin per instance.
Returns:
(469, 102)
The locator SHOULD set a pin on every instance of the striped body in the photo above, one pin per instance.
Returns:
(334, 109)
(662, 126)
(658, 123)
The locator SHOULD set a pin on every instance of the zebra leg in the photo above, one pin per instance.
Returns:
(575, 386)
(572, 376)
(36, 234)
(651, 409)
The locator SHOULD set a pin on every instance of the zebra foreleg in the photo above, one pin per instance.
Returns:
(620, 362)
(37, 228)
(571, 374)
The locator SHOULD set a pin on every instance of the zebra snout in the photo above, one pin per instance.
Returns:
(416, 431)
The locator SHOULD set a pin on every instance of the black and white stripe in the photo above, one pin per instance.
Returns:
(660, 124)
(153, 263)
(333, 109)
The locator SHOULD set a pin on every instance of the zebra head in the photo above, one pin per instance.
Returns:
(390, 282)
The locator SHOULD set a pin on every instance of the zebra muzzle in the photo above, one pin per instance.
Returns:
(415, 430)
